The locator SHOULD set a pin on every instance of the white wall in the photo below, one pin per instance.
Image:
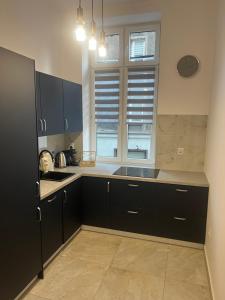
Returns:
(215, 166)
(187, 27)
(42, 30)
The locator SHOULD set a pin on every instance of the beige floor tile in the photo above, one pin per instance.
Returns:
(187, 264)
(33, 297)
(125, 285)
(69, 279)
(95, 247)
(185, 291)
(141, 256)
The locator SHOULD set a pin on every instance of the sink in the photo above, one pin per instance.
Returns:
(56, 176)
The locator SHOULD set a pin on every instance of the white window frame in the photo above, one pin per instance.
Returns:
(111, 31)
(142, 28)
(123, 65)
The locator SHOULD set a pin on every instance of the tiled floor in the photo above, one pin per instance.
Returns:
(97, 266)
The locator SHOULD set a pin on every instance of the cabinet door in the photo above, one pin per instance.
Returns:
(131, 206)
(71, 209)
(51, 225)
(40, 122)
(95, 202)
(52, 104)
(20, 249)
(72, 106)
(182, 212)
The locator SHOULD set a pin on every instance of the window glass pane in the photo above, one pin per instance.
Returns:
(139, 141)
(113, 50)
(142, 46)
(107, 139)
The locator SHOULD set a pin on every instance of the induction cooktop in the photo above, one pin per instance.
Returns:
(137, 172)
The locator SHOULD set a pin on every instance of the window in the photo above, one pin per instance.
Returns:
(113, 50)
(124, 96)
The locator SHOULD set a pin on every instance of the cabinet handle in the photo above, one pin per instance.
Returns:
(132, 212)
(45, 123)
(52, 199)
(67, 124)
(42, 125)
(133, 185)
(38, 188)
(39, 214)
(108, 186)
(65, 196)
(180, 219)
(181, 191)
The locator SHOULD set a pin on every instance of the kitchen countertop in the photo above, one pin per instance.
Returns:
(106, 170)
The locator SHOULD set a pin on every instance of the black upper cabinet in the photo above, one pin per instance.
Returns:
(95, 202)
(72, 106)
(71, 209)
(40, 122)
(51, 225)
(51, 95)
(20, 250)
(59, 105)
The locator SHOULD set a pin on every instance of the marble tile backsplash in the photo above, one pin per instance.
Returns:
(181, 131)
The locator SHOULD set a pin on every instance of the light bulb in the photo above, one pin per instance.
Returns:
(92, 43)
(102, 50)
(80, 33)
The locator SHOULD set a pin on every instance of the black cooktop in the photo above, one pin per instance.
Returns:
(137, 172)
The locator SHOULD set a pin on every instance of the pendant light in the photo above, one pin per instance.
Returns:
(80, 32)
(102, 46)
(92, 40)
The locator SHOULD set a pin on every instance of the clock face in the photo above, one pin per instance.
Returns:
(188, 66)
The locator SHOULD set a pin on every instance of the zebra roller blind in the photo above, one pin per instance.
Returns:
(107, 96)
(140, 95)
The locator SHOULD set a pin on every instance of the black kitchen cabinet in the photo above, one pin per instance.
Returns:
(132, 206)
(72, 94)
(182, 212)
(95, 202)
(51, 225)
(40, 122)
(51, 119)
(71, 209)
(20, 250)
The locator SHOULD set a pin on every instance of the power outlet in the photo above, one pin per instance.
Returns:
(180, 151)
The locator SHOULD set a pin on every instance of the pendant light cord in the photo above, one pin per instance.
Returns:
(92, 10)
(102, 16)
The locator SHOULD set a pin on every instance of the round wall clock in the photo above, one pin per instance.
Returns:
(188, 66)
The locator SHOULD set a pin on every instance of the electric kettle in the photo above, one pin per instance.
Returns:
(60, 160)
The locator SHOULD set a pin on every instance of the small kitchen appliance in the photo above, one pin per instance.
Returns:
(60, 160)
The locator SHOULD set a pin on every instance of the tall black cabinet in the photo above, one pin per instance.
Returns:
(20, 249)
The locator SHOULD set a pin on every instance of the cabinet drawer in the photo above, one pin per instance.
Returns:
(182, 212)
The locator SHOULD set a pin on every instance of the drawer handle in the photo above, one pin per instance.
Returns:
(39, 214)
(133, 185)
(181, 191)
(180, 219)
(108, 186)
(52, 199)
(132, 212)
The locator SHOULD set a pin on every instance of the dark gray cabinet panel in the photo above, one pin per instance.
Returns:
(40, 122)
(51, 96)
(131, 206)
(95, 202)
(164, 210)
(20, 250)
(71, 209)
(51, 225)
(182, 212)
(72, 106)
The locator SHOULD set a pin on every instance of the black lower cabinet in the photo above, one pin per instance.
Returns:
(181, 212)
(71, 209)
(51, 225)
(131, 206)
(95, 202)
